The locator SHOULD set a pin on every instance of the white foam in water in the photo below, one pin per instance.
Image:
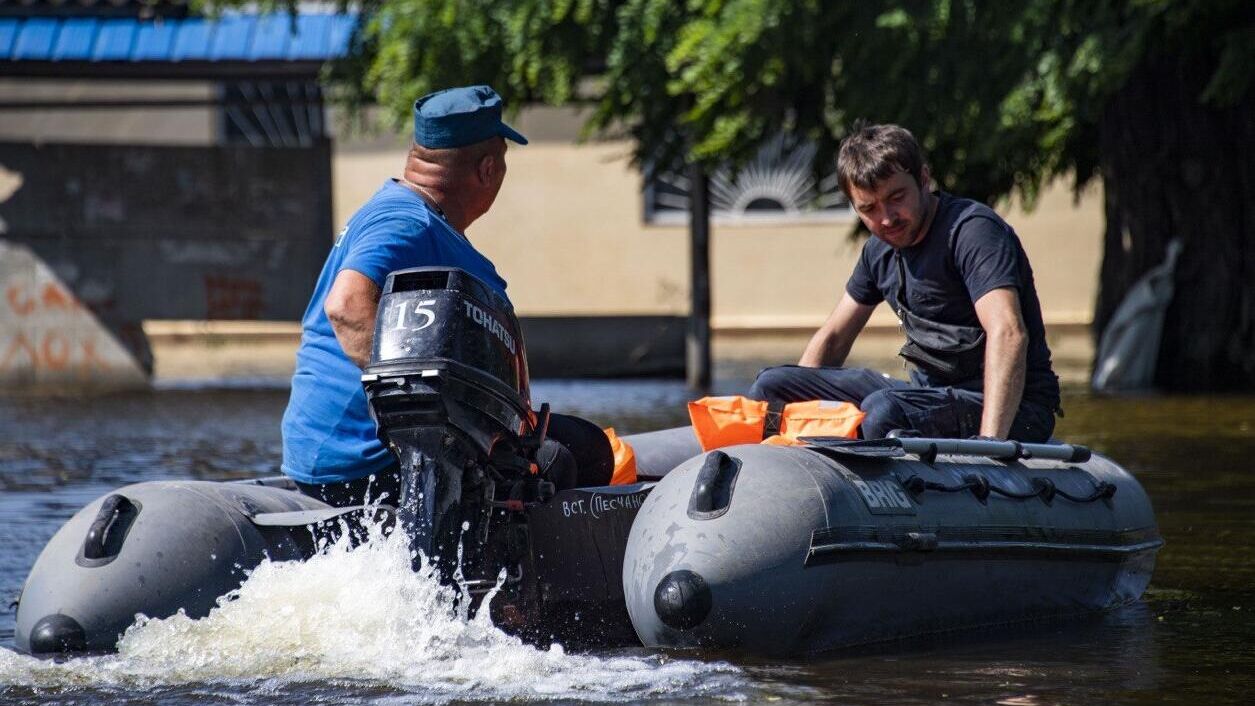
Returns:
(363, 615)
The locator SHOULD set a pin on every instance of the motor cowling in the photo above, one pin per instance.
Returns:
(448, 350)
(447, 384)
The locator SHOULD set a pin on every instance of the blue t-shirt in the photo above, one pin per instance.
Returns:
(969, 251)
(328, 435)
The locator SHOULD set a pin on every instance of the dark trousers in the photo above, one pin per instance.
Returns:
(575, 454)
(889, 403)
(589, 447)
(381, 486)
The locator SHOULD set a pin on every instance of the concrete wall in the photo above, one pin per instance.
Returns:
(111, 216)
(568, 231)
(192, 125)
(48, 337)
(565, 231)
(569, 234)
(174, 232)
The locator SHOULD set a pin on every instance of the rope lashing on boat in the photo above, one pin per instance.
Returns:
(981, 488)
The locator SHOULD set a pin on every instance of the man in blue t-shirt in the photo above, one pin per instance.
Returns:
(959, 281)
(452, 175)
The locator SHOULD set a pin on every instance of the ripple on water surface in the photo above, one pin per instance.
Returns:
(358, 624)
(1189, 641)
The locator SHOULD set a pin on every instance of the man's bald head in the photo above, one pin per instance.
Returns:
(463, 181)
(453, 159)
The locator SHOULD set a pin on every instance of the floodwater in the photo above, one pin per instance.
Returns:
(358, 627)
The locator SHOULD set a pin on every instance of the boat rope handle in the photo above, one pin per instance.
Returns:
(981, 488)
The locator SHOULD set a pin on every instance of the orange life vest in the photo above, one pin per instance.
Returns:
(724, 421)
(624, 459)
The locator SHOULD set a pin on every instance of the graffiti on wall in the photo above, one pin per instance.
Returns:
(50, 349)
(48, 334)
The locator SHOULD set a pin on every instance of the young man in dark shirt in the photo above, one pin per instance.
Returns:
(958, 279)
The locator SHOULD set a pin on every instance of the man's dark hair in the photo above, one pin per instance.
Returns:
(873, 153)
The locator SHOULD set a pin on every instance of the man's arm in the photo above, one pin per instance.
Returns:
(350, 306)
(831, 343)
(1006, 356)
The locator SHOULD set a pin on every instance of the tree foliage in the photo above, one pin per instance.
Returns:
(1003, 96)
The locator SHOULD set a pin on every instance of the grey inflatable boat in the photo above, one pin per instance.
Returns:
(796, 550)
(759, 549)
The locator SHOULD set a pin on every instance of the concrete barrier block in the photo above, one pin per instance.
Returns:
(48, 337)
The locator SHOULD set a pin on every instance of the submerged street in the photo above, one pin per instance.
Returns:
(1187, 641)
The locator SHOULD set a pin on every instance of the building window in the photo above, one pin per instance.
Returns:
(272, 113)
(779, 186)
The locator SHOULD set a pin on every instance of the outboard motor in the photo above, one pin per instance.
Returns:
(448, 386)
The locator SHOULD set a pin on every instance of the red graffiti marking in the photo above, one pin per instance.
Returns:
(19, 304)
(91, 358)
(24, 302)
(55, 351)
(57, 298)
(232, 298)
(52, 351)
(18, 343)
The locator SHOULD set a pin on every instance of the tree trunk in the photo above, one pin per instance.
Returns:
(1174, 167)
(698, 343)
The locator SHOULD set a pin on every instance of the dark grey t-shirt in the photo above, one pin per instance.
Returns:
(968, 252)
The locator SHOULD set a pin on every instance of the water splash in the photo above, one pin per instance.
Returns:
(362, 619)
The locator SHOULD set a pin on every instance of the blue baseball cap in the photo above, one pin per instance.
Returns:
(456, 117)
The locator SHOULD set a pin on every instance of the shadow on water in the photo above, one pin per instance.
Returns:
(1188, 640)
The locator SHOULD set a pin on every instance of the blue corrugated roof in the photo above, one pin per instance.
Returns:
(234, 37)
(34, 39)
(113, 43)
(8, 34)
(191, 41)
(341, 33)
(313, 39)
(270, 38)
(154, 41)
(75, 38)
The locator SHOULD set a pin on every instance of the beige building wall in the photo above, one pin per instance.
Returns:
(568, 232)
(1063, 237)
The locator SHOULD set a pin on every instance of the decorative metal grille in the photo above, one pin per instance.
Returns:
(272, 113)
(780, 184)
